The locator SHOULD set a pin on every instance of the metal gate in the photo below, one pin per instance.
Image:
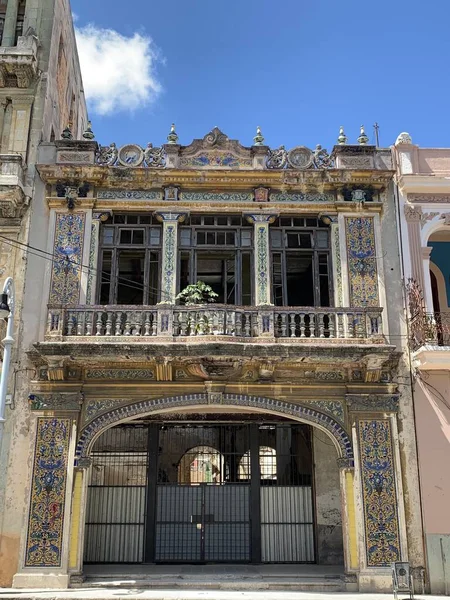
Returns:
(198, 493)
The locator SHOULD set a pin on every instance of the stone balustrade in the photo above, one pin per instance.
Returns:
(170, 321)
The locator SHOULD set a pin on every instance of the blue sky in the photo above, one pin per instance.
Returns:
(298, 69)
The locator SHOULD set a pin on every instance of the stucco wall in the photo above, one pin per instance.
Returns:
(330, 550)
(433, 432)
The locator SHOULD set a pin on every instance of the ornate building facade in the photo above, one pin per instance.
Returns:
(422, 176)
(40, 93)
(272, 425)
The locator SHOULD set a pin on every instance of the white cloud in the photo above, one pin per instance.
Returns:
(118, 71)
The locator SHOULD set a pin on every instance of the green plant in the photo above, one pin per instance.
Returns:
(197, 293)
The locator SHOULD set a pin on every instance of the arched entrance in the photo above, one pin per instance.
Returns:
(228, 485)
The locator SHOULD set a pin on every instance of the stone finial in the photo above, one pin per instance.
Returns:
(67, 134)
(88, 134)
(362, 139)
(342, 139)
(172, 138)
(258, 140)
(403, 138)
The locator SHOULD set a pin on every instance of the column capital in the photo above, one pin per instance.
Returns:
(426, 251)
(164, 217)
(413, 214)
(260, 217)
(101, 216)
(83, 462)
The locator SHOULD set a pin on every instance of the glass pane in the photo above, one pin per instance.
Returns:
(293, 240)
(201, 237)
(285, 221)
(125, 236)
(196, 220)
(220, 238)
(108, 235)
(130, 284)
(311, 222)
(246, 238)
(208, 221)
(222, 220)
(298, 222)
(185, 237)
(145, 220)
(230, 238)
(105, 276)
(138, 236)
(155, 236)
(119, 219)
(132, 219)
(322, 238)
(210, 238)
(305, 240)
(235, 220)
(275, 237)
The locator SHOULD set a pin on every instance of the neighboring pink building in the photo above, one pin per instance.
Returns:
(423, 180)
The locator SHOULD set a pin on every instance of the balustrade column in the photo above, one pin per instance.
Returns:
(263, 278)
(169, 254)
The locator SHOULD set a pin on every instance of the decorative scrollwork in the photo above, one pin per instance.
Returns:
(299, 158)
(416, 300)
(154, 157)
(107, 155)
(277, 159)
(322, 160)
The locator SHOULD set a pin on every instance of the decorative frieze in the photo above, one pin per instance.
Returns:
(373, 402)
(135, 374)
(361, 261)
(48, 489)
(379, 492)
(58, 401)
(129, 195)
(216, 197)
(68, 252)
(302, 197)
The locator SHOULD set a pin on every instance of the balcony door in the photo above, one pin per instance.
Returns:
(217, 251)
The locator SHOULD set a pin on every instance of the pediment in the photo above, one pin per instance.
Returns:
(215, 151)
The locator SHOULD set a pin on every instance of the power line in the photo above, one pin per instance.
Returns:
(60, 258)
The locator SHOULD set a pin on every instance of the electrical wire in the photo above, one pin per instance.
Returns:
(60, 258)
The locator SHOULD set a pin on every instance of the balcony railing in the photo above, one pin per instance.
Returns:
(430, 329)
(170, 321)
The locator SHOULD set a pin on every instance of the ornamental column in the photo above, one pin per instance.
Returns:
(413, 218)
(169, 254)
(263, 279)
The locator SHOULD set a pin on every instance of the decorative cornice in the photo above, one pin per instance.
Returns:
(372, 402)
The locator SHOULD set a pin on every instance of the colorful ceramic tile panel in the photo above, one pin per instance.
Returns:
(45, 525)
(68, 251)
(262, 265)
(362, 264)
(379, 493)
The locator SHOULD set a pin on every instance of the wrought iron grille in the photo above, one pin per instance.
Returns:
(201, 492)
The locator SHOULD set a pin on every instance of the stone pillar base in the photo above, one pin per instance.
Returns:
(41, 579)
(378, 580)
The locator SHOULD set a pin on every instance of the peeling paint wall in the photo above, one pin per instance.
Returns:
(330, 549)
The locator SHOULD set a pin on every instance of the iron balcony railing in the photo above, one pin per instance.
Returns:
(431, 329)
(218, 320)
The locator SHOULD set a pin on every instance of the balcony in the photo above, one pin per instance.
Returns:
(18, 64)
(78, 324)
(430, 340)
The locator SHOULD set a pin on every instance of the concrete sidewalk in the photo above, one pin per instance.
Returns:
(131, 593)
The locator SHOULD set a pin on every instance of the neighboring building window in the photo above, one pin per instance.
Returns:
(3, 4)
(20, 20)
(217, 249)
(130, 252)
(300, 249)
